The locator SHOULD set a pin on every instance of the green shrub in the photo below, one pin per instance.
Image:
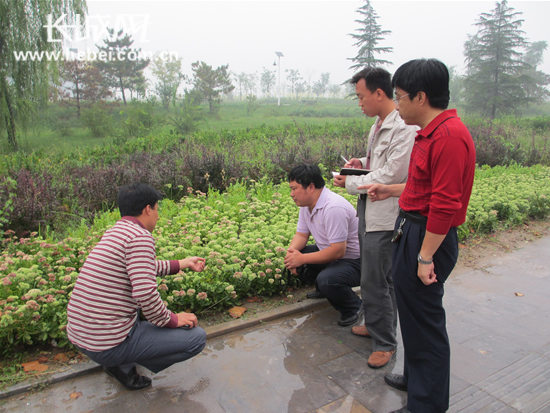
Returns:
(98, 120)
(141, 119)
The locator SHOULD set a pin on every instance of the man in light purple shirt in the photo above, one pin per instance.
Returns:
(335, 256)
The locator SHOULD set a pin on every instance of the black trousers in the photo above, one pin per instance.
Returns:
(422, 319)
(335, 281)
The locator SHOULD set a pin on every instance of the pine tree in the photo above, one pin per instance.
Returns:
(210, 84)
(124, 70)
(369, 36)
(495, 62)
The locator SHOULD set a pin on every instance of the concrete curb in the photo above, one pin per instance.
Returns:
(88, 367)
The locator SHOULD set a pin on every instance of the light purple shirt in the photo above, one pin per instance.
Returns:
(332, 220)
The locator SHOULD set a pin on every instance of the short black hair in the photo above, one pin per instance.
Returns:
(306, 175)
(133, 198)
(424, 75)
(375, 78)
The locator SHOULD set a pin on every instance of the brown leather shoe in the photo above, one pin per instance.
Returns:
(360, 331)
(380, 358)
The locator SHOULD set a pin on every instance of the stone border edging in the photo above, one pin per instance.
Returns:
(81, 369)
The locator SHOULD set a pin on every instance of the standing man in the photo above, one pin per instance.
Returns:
(432, 203)
(389, 149)
(116, 283)
(332, 221)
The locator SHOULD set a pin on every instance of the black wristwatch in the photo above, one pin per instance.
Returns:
(424, 262)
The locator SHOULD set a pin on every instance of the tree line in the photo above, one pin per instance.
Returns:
(501, 69)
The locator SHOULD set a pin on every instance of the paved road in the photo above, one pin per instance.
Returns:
(306, 363)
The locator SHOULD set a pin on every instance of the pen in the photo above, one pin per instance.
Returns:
(344, 159)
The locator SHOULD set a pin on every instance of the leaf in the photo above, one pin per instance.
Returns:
(34, 366)
(254, 299)
(236, 312)
(519, 294)
(75, 395)
(61, 357)
(461, 246)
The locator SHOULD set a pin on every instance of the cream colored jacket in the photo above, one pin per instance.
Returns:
(389, 163)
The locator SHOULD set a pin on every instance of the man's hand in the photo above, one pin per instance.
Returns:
(189, 319)
(354, 163)
(193, 263)
(293, 259)
(426, 273)
(340, 180)
(376, 192)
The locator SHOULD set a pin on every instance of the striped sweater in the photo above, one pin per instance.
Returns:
(118, 277)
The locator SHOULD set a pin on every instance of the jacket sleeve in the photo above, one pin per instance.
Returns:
(396, 166)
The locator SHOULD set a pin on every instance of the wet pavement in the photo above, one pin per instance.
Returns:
(500, 346)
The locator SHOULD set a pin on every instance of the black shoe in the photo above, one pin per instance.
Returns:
(350, 320)
(315, 294)
(397, 381)
(132, 380)
(402, 410)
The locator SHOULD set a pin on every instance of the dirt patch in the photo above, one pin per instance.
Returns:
(254, 306)
(477, 251)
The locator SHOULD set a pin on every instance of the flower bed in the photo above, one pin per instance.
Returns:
(242, 233)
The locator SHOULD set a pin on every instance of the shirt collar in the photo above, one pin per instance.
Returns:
(133, 219)
(438, 120)
(321, 201)
(389, 120)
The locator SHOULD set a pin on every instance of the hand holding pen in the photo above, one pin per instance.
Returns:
(353, 163)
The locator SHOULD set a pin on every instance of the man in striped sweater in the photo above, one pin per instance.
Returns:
(117, 281)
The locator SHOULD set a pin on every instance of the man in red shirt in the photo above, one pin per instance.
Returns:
(433, 202)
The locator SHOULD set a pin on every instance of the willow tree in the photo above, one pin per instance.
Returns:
(25, 27)
(368, 38)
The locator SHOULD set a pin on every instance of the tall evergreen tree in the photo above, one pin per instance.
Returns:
(369, 36)
(23, 29)
(495, 62)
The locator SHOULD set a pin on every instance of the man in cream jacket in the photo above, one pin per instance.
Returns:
(389, 148)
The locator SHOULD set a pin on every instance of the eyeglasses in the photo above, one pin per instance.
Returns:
(396, 100)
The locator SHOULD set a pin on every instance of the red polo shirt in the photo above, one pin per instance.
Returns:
(441, 173)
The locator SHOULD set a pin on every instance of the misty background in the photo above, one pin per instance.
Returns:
(312, 35)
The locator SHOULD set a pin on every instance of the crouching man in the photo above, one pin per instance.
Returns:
(335, 257)
(116, 283)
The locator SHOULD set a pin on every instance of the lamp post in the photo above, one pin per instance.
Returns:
(279, 55)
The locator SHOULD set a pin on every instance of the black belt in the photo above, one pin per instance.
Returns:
(413, 217)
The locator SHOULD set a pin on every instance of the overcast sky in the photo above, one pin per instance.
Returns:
(313, 35)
